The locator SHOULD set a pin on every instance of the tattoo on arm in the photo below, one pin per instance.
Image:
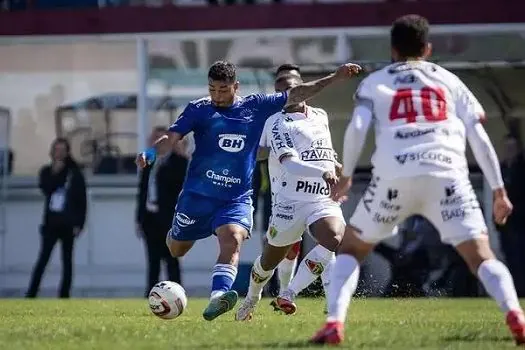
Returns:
(305, 91)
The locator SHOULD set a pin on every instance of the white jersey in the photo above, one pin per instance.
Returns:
(306, 136)
(420, 111)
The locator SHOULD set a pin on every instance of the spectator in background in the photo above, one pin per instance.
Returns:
(158, 191)
(64, 188)
(512, 235)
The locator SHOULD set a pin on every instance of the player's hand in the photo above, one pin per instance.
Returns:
(141, 160)
(330, 178)
(339, 193)
(348, 70)
(502, 206)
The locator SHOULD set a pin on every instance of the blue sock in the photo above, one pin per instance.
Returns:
(223, 277)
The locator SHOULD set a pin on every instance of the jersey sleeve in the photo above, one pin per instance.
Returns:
(281, 142)
(269, 104)
(364, 96)
(468, 107)
(186, 121)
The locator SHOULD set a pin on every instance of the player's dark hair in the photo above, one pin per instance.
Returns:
(223, 71)
(409, 35)
(287, 67)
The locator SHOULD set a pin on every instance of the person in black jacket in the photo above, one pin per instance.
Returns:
(64, 188)
(159, 188)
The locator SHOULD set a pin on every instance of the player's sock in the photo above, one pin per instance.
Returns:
(311, 267)
(344, 278)
(325, 276)
(498, 283)
(258, 279)
(223, 277)
(285, 270)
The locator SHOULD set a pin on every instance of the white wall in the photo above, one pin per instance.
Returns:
(109, 258)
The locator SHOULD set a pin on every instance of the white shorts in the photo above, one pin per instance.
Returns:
(449, 204)
(291, 218)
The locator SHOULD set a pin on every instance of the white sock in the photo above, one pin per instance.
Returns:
(344, 278)
(258, 279)
(311, 267)
(326, 275)
(285, 270)
(498, 283)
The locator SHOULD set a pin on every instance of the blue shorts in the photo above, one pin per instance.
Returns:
(197, 217)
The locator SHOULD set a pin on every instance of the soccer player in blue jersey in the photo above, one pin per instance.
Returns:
(216, 196)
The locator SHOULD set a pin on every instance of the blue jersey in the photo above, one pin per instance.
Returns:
(226, 141)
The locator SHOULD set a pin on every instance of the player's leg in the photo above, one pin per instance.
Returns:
(381, 208)
(191, 222)
(455, 211)
(262, 270)
(177, 247)
(286, 228)
(232, 224)
(497, 280)
(327, 226)
(286, 267)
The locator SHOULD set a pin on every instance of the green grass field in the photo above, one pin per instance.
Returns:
(128, 324)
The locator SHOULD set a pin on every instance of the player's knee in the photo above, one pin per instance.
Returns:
(177, 249)
(292, 253)
(331, 241)
(230, 242)
(475, 251)
(351, 244)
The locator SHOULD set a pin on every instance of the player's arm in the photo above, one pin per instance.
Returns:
(354, 140)
(472, 114)
(284, 149)
(485, 155)
(305, 91)
(176, 132)
(355, 136)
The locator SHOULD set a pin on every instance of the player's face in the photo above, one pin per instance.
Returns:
(285, 84)
(222, 93)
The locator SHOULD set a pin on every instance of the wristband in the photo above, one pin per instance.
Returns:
(150, 154)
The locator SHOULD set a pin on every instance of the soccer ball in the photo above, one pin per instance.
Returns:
(167, 300)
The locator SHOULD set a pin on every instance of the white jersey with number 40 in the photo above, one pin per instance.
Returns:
(307, 137)
(420, 112)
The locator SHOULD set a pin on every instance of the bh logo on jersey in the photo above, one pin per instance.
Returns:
(232, 142)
